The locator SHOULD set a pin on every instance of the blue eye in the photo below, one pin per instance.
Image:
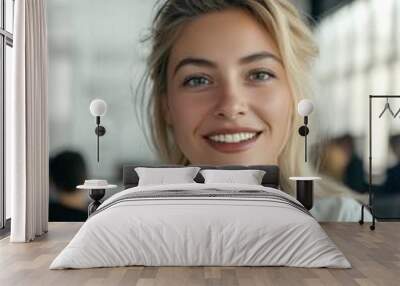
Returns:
(195, 81)
(261, 76)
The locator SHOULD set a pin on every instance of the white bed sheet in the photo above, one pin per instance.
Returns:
(200, 231)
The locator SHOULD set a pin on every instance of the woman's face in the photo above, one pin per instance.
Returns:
(228, 99)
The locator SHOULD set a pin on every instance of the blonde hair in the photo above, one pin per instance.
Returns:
(297, 49)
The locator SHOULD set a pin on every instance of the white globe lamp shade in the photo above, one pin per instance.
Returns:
(98, 107)
(305, 107)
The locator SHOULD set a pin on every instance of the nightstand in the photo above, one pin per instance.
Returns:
(97, 190)
(304, 190)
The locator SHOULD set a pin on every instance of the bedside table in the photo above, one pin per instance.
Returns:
(96, 193)
(304, 190)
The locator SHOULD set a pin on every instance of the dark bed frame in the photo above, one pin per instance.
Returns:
(130, 179)
(271, 178)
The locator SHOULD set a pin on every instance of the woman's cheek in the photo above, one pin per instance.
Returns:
(274, 107)
(276, 101)
(187, 116)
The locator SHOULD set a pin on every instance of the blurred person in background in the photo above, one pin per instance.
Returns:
(353, 173)
(387, 195)
(341, 162)
(333, 160)
(392, 183)
(67, 170)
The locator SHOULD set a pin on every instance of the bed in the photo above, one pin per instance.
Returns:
(201, 224)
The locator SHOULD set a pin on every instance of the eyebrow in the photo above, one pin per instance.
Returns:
(245, 60)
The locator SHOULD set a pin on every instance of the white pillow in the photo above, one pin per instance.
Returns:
(248, 177)
(162, 176)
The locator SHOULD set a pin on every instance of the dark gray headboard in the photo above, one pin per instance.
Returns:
(271, 178)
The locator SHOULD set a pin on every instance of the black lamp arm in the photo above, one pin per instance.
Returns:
(100, 131)
(303, 131)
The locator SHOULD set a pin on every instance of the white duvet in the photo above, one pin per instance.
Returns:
(183, 231)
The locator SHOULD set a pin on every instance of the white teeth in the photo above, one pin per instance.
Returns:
(233, 138)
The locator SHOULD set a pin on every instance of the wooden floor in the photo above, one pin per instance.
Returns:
(374, 255)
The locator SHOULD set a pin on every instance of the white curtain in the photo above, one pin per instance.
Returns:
(27, 124)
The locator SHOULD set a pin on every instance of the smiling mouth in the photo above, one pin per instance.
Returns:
(232, 142)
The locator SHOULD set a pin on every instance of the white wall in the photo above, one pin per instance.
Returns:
(94, 52)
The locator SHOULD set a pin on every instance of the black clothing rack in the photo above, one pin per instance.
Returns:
(370, 205)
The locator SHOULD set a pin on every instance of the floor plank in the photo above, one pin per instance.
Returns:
(374, 255)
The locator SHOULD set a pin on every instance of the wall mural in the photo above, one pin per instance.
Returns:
(217, 94)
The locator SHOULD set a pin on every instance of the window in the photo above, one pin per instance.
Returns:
(6, 44)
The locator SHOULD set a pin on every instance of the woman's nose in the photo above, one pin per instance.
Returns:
(231, 104)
